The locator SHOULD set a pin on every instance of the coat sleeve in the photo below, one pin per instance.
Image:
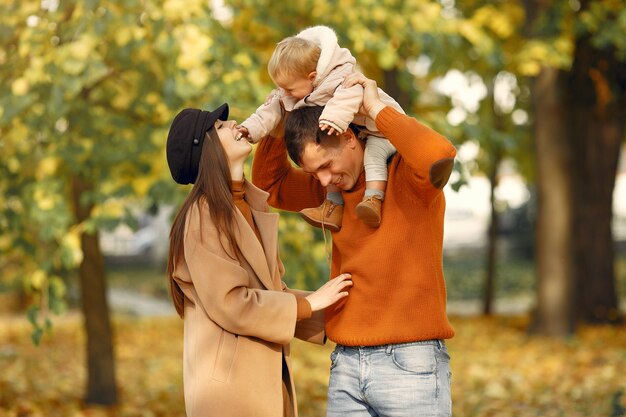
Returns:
(311, 329)
(223, 290)
(265, 118)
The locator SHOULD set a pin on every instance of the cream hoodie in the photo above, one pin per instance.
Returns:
(343, 105)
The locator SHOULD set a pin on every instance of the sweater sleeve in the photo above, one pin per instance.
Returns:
(311, 328)
(304, 308)
(427, 155)
(289, 187)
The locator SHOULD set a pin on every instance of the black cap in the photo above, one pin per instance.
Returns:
(185, 138)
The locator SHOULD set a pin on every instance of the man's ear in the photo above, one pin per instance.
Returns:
(350, 137)
(312, 75)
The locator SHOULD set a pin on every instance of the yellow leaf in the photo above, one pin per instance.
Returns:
(82, 48)
(37, 279)
(5, 242)
(20, 87)
(73, 66)
(111, 208)
(198, 76)
(71, 241)
(47, 167)
(243, 59)
(122, 36)
(43, 200)
(141, 185)
(13, 164)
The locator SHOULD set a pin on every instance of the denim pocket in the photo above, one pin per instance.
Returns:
(417, 359)
(444, 355)
(334, 356)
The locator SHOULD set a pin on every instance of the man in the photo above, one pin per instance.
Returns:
(390, 358)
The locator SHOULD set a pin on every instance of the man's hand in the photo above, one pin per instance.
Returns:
(372, 104)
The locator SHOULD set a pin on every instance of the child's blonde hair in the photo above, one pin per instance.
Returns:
(293, 56)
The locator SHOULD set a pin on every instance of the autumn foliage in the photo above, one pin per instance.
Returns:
(497, 370)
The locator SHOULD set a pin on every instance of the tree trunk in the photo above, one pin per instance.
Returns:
(391, 79)
(492, 237)
(597, 116)
(554, 314)
(101, 386)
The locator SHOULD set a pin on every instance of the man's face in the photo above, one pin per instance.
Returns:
(338, 160)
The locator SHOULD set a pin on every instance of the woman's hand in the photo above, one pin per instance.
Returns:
(329, 293)
(372, 104)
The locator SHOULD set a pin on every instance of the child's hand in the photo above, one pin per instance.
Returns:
(331, 130)
(243, 133)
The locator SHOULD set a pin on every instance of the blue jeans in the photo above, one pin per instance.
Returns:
(398, 380)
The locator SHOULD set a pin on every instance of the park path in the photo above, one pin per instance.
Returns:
(127, 301)
(131, 302)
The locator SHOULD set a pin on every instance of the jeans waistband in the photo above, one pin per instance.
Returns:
(439, 343)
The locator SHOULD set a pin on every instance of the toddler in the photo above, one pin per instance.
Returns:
(308, 70)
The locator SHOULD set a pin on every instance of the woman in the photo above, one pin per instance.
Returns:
(225, 278)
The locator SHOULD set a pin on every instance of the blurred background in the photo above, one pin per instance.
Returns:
(531, 92)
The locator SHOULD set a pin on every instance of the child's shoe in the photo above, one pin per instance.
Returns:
(369, 210)
(327, 216)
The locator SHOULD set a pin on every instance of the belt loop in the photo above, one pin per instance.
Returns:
(439, 344)
(389, 349)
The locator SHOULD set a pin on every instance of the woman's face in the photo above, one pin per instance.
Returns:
(237, 151)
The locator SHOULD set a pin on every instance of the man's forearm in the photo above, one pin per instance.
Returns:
(429, 154)
(290, 188)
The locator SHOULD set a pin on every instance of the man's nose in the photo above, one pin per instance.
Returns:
(324, 177)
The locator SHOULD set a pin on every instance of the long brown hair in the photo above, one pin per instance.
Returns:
(213, 187)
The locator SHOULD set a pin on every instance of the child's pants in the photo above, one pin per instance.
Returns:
(377, 152)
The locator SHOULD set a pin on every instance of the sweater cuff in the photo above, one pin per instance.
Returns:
(387, 118)
(304, 308)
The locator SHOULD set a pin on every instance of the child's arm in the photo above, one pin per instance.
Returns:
(263, 120)
(341, 109)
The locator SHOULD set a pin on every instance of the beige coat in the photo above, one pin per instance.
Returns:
(342, 105)
(239, 317)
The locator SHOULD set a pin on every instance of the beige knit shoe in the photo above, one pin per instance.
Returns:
(327, 216)
(369, 210)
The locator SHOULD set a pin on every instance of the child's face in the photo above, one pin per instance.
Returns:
(298, 87)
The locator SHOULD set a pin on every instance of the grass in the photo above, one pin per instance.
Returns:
(498, 370)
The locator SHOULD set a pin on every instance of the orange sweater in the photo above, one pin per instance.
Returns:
(399, 292)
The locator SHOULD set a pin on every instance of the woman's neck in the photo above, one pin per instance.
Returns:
(236, 171)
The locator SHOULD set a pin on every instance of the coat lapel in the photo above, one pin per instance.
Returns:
(262, 258)
(252, 250)
(268, 229)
